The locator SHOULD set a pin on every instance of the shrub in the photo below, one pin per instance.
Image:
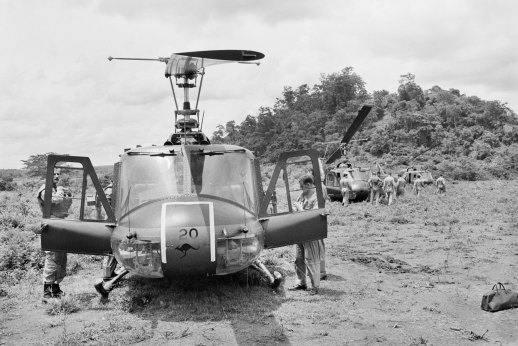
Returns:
(7, 184)
(18, 254)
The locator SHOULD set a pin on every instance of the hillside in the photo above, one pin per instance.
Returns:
(445, 131)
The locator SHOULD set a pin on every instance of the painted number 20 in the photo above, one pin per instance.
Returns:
(192, 233)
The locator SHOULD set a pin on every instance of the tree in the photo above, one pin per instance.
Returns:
(337, 89)
(36, 165)
(408, 90)
(217, 136)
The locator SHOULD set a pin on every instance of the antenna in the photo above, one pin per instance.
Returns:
(202, 118)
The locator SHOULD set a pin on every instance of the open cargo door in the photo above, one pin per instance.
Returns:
(77, 216)
(284, 226)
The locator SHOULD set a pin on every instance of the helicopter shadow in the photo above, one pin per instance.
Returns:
(242, 300)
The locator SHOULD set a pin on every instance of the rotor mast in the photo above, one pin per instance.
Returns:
(186, 80)
(185, 68)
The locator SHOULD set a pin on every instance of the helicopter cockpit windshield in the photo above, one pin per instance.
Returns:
(149, 176)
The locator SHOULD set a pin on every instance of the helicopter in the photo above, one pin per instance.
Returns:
(410, 174)
(186, 207)
(344, 168)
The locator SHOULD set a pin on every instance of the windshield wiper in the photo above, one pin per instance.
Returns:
(219, 152)
(161, 154)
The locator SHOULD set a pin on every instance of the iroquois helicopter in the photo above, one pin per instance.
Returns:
(344, 168)
(186, 207)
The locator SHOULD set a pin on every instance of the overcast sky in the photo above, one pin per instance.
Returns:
(59, 93)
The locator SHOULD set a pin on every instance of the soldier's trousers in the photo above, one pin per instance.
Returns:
(390, 197)
(55, 267)
(323, 259)
(375, 196)
(307, 260)
(109, 266)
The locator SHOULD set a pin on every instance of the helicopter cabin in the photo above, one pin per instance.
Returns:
(359, 177)
(411, 174)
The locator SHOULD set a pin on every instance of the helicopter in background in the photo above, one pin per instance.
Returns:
(186, 207)
(410, 173)
(344, 168)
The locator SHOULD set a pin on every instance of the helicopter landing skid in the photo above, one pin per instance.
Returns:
(274, 280)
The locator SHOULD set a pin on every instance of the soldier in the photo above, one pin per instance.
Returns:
(55, 266)
(374, 187)
(400, 186)
(389, 187)
(418, 186)
(308, 254)
(345, 187)
(110, 274)
(109, 261)
(441, 185)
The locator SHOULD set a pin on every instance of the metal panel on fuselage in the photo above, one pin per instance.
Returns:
(188, 238)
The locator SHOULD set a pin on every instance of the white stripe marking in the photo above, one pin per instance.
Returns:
(212, 229)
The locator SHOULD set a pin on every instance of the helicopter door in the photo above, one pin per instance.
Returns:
(77, 215)
(283, 225)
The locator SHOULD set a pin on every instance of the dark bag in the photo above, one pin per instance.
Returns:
(499, 298)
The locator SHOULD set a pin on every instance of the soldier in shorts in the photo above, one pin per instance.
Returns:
(441, 185)
(418, 186)
(389, 187)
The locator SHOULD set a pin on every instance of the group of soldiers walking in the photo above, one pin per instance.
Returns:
(389, 188)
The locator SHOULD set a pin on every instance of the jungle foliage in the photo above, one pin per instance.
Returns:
(462, 136)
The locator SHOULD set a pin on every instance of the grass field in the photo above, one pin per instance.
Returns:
(413, 273)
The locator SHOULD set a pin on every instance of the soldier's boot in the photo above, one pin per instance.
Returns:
(56, 291)
(47, 292)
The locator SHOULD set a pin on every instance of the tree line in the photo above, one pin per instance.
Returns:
(463, 137)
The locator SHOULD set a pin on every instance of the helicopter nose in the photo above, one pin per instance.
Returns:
(193, 237)
(168, 239)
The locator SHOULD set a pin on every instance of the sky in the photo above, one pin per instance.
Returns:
(59, 93)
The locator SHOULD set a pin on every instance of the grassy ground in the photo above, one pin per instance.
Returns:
(410, 274)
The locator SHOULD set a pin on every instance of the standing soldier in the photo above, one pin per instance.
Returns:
(55, 267)
(400, 186)
(418, 186)
(374, 187)
(323, 272)
(389, 187)
(441, 184)
(308, 254)
(345, 187)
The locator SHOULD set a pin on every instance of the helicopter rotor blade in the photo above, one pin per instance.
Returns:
(191, 62)
(362, 114)
(110, 58)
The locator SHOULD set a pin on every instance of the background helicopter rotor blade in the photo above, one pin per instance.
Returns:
(362, 114)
